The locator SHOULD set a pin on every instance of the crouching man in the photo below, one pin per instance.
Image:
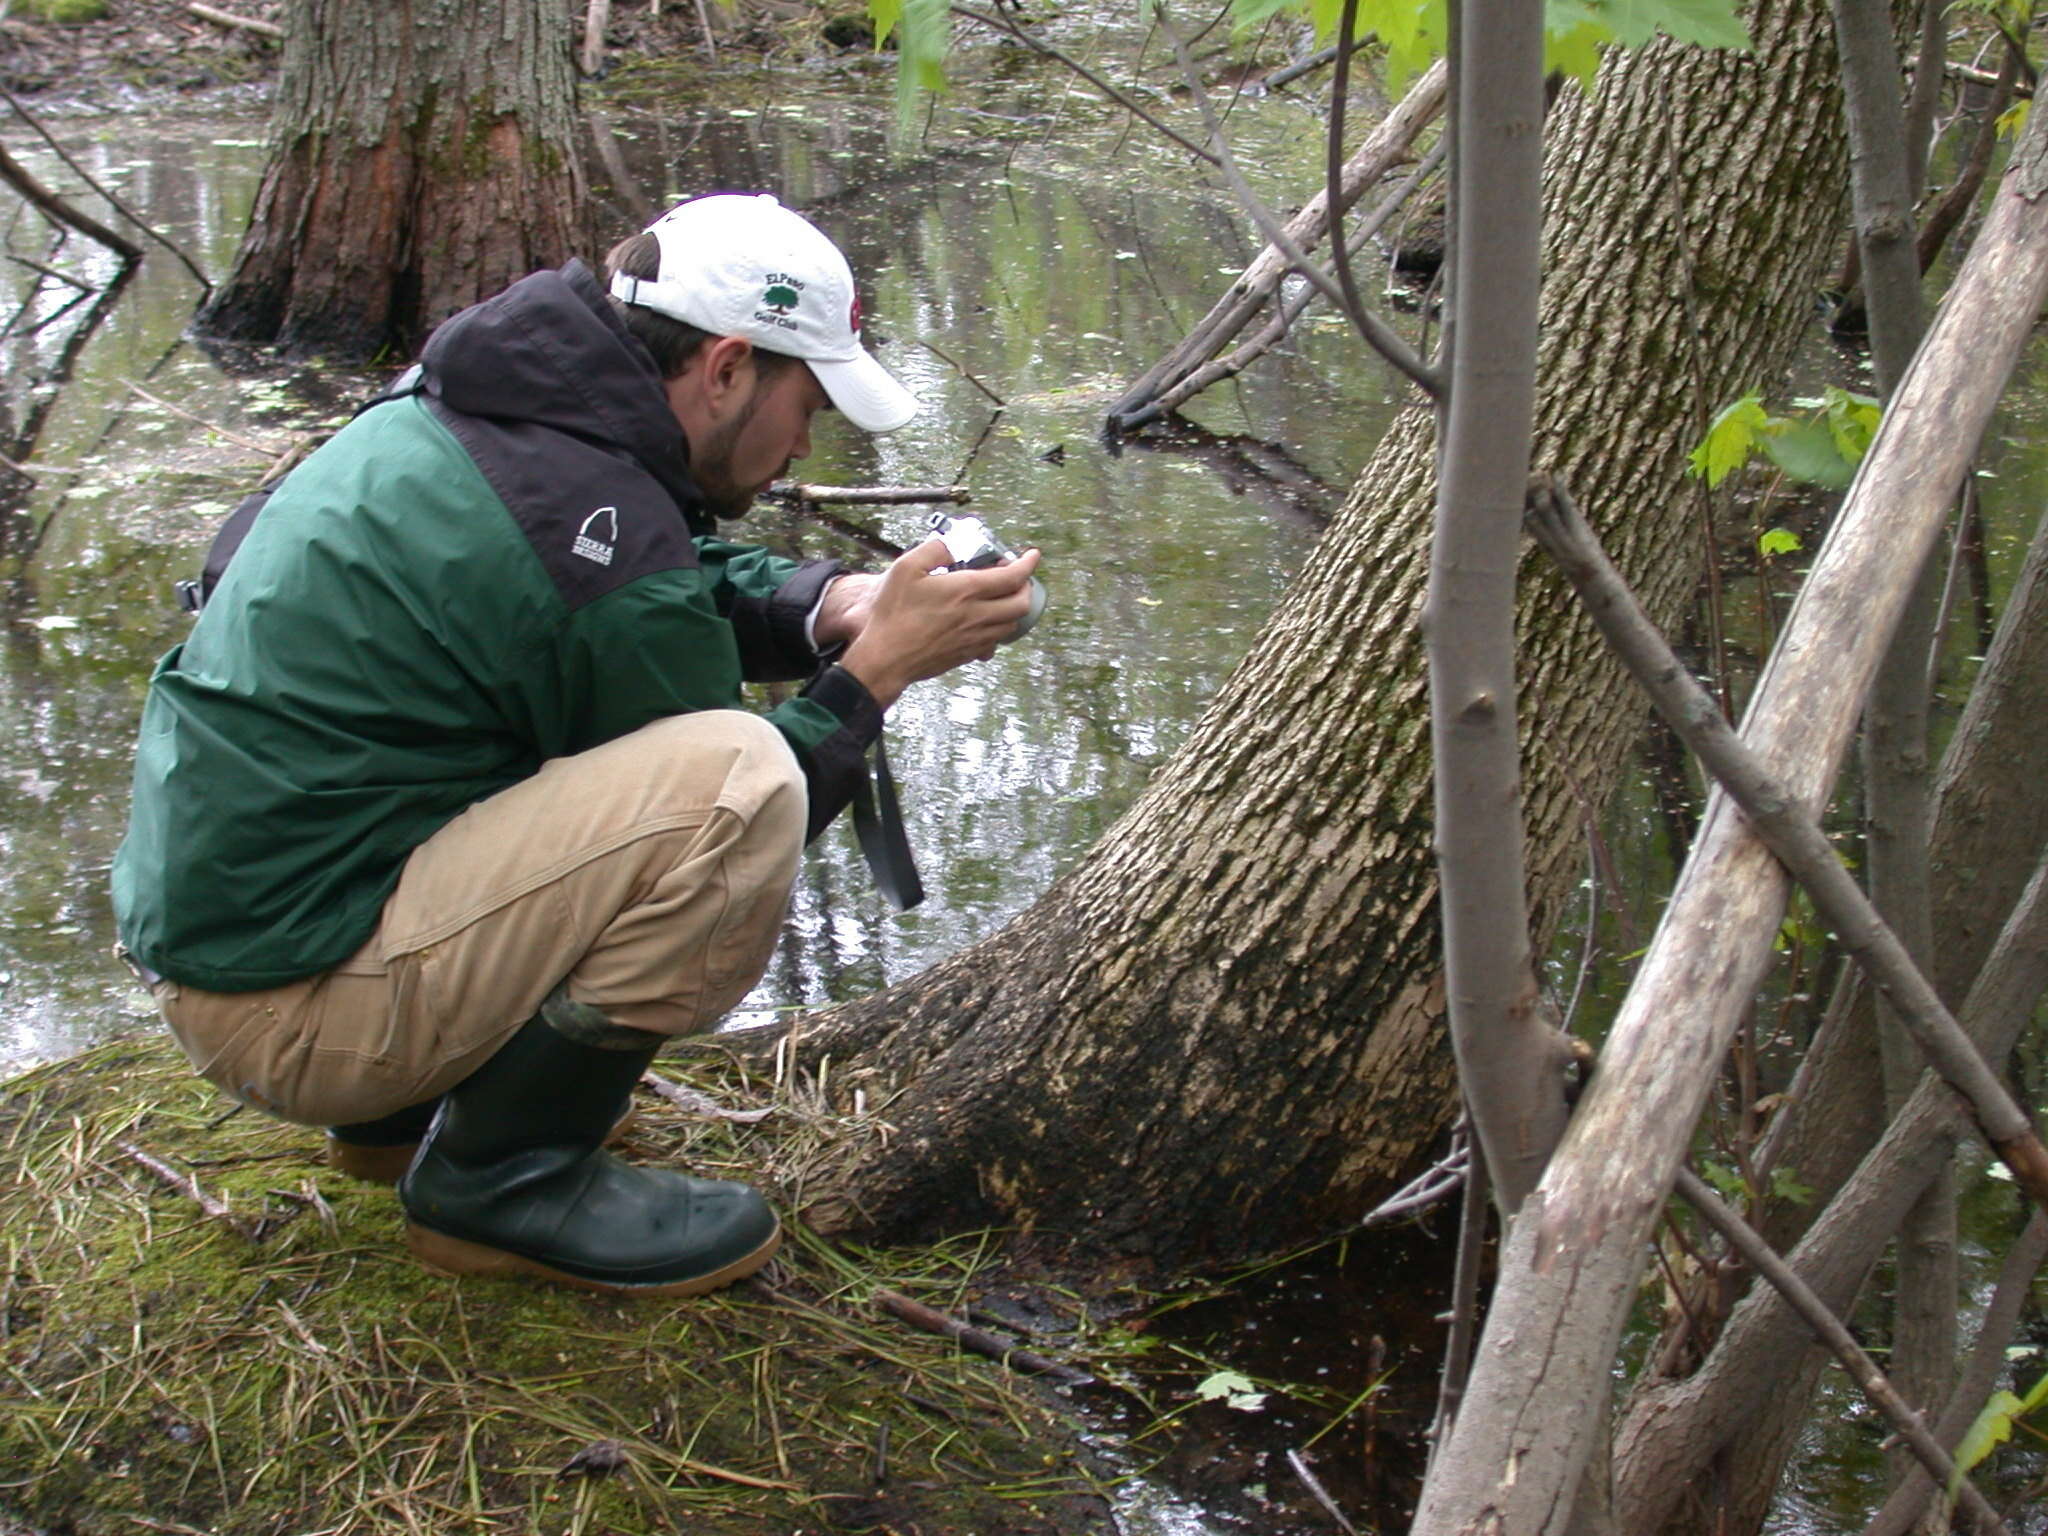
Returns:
(446, 815)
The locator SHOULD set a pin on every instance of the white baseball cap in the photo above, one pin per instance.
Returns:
(741, 265)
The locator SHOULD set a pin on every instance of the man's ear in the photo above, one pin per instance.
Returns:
(716, 380)
(728, 373)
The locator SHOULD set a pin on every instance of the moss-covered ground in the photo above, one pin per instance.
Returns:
(282, 1366)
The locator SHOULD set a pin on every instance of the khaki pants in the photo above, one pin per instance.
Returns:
(651, 873)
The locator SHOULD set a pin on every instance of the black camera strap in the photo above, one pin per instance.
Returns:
(878, 824)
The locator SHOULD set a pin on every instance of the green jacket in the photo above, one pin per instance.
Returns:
(510, 566)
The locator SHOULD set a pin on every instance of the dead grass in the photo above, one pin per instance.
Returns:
(280, 1365)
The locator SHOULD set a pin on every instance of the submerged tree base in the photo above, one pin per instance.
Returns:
(280, 1363)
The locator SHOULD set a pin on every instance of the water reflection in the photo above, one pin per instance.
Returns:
(1042, 273)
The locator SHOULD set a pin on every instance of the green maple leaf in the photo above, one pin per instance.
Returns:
(1731, 437)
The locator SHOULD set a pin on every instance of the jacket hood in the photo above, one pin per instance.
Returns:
(549, 350)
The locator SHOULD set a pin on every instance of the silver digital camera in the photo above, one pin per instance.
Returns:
(971, 545)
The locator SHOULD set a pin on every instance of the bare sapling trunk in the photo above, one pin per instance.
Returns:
(1897, 781)
(1510, 1059)
(1571, 1264)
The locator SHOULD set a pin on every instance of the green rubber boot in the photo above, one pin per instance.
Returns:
(379, 1151)
(513, 1179)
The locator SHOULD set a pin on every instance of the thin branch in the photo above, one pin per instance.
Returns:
(1333, 161)
(690, 1101)
(1309, 1481)
(233, 22)
(178, 410)
(1794, 837)
(979, 1340)
(1464, 1296)
(122, 208)
(1902, 1511)
(16, 175)
(1828, 1328)
(185, 1184)
(866, 495)
(954, 363)
(1004, 24)
(1375, 331)
(1431, 1187)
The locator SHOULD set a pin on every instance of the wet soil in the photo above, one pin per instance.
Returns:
(166, 46)
(136, 45)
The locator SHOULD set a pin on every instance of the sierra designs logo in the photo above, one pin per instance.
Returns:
(589, 545)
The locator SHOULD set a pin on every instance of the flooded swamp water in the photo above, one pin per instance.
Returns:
(1022, 243)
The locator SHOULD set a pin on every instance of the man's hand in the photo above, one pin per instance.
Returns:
(844, 611)
(922, 621)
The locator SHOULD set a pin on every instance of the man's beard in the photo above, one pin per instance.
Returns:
(711, 467)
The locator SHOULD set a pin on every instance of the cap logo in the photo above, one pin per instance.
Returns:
(781, 294)
(853, 315)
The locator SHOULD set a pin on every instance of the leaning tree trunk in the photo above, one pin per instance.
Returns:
(421, 160)
(1225, 1029)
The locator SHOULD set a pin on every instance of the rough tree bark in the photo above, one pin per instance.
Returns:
(421, 160)
(1224, 1030)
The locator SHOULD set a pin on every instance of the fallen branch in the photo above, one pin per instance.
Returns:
(185, 1184)
(1194, 380)
(1788, 830)
(1388, 145)
(1003, 23)
(205, 282)
(695, 1103)
(1828, 1328)
(979, 1340)
(866, 495)
(1287, 74)
(1375, 332)
(54, 207)
(179, 410)
(233, 22)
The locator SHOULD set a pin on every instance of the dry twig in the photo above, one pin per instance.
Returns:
(190, 1187)
(979, 1340)
(233, 22)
